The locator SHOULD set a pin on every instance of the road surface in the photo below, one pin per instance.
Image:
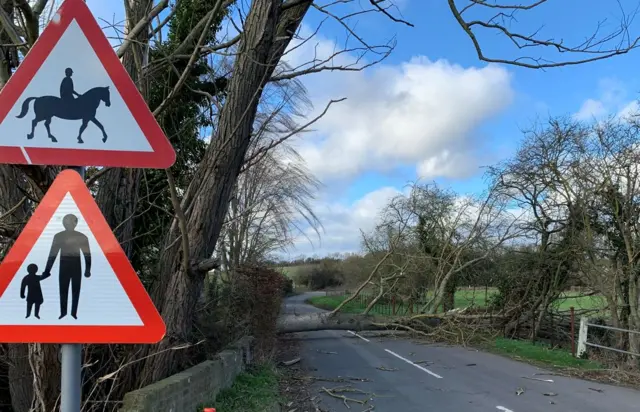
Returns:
(443, 379)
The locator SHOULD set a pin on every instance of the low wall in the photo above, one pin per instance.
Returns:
(185, 391)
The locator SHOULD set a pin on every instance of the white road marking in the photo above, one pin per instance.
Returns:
(503, 409)
(355, 334)
(26, 156)
(414, 364)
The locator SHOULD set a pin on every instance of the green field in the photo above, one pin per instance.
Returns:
(463, 298)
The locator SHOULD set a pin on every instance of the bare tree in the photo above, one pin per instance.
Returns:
(271, 197)
(266, 28)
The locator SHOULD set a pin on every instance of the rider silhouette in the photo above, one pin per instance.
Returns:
(66, 87)
(70, 244)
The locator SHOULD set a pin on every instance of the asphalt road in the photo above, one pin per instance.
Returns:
(402, 376)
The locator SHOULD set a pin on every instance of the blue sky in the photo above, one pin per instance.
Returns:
(537, 94)
(433, 110)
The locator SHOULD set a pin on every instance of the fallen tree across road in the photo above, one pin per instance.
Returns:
(310, 322)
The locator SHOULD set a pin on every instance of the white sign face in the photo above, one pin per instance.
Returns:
(64, 295)
(72, 85)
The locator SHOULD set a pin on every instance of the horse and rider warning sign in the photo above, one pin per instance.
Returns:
(71, 102)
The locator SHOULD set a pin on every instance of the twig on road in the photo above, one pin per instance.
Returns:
(382, 368)
(345, 399)
(537, 379)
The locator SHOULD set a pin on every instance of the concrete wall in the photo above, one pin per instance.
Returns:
(185, 391)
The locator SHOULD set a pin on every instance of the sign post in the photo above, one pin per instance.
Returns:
(71, 365)
(72, 103)
(71, 388)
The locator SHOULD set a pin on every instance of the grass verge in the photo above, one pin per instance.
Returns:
(252, 391)
(539, 354)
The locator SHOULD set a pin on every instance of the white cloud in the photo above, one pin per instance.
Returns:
(420, 112)
(612, 99)
(591, 109)
(342, 224)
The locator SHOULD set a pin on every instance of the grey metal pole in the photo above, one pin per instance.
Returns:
(71, 388)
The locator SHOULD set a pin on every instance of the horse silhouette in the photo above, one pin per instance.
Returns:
(83, 108)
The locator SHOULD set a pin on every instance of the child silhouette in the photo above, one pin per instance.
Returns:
(31, 282)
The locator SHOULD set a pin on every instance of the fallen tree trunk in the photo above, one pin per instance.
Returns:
(310, 322)
(324, 321)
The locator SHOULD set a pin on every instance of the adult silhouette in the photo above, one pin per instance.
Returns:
(70, 244)
(66, 87)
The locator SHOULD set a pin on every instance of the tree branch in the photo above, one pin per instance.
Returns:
(522, 41)
(135, 31)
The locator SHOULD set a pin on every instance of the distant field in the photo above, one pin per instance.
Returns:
(291, 271)
(464, 298)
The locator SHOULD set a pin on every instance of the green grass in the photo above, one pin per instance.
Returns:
(464, 298)
(540, 353)
(332, 302)
(569, 299)
(254, 391)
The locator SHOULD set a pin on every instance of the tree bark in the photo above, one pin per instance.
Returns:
(310, 322)
(267, 32)
(118, 192)
(19, 371)
(324, 321)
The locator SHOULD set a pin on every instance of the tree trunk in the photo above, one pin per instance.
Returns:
(118, 189)
(449, 298)
(267, 33)
(310, 322)
(634, 317)
(324, 321)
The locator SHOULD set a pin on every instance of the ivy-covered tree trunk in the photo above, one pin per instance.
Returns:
(267, 32)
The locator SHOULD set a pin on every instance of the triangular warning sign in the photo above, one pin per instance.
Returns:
(71, 102)
(67, 280)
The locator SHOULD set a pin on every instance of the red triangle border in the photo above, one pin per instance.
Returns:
(162, 155)
(153, 329)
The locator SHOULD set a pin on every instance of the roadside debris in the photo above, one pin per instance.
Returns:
(291, 362)
(336, 393)
(419, 362)
(382, 368)
(537, 379)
